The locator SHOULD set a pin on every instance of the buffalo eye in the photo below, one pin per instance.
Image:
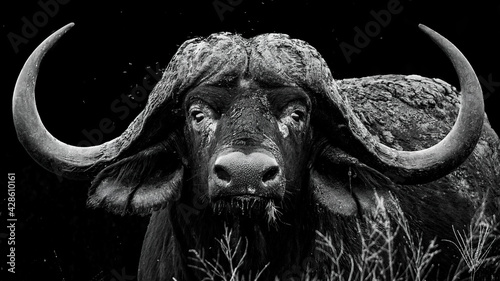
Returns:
(201, 115)
(297, 115)
(197, 115)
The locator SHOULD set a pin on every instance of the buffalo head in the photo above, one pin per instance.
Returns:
(245, 122)
(254, 132)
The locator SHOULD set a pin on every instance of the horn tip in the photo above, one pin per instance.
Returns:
(68, 26)
(425, 28)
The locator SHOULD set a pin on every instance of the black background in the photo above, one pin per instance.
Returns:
(106, 54)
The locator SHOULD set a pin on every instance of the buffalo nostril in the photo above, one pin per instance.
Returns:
(270, 174)
(221, 173)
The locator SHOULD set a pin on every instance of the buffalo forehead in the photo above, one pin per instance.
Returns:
(273, 60)
(247, 93)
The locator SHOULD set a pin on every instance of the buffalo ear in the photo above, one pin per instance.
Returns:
(140, 183)
(332, 194)
(343, 185)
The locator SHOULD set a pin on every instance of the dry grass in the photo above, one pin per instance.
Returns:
(475, 245)
(383, 256)
(232, 256)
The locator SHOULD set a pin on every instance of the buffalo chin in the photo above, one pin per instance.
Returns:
(255, 208)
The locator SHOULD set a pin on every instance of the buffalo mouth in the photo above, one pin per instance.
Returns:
(247, 206)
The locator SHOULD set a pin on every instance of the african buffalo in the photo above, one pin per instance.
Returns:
(254, 135)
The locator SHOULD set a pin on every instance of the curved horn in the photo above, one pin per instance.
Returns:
(52, 154)
(411, 167)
